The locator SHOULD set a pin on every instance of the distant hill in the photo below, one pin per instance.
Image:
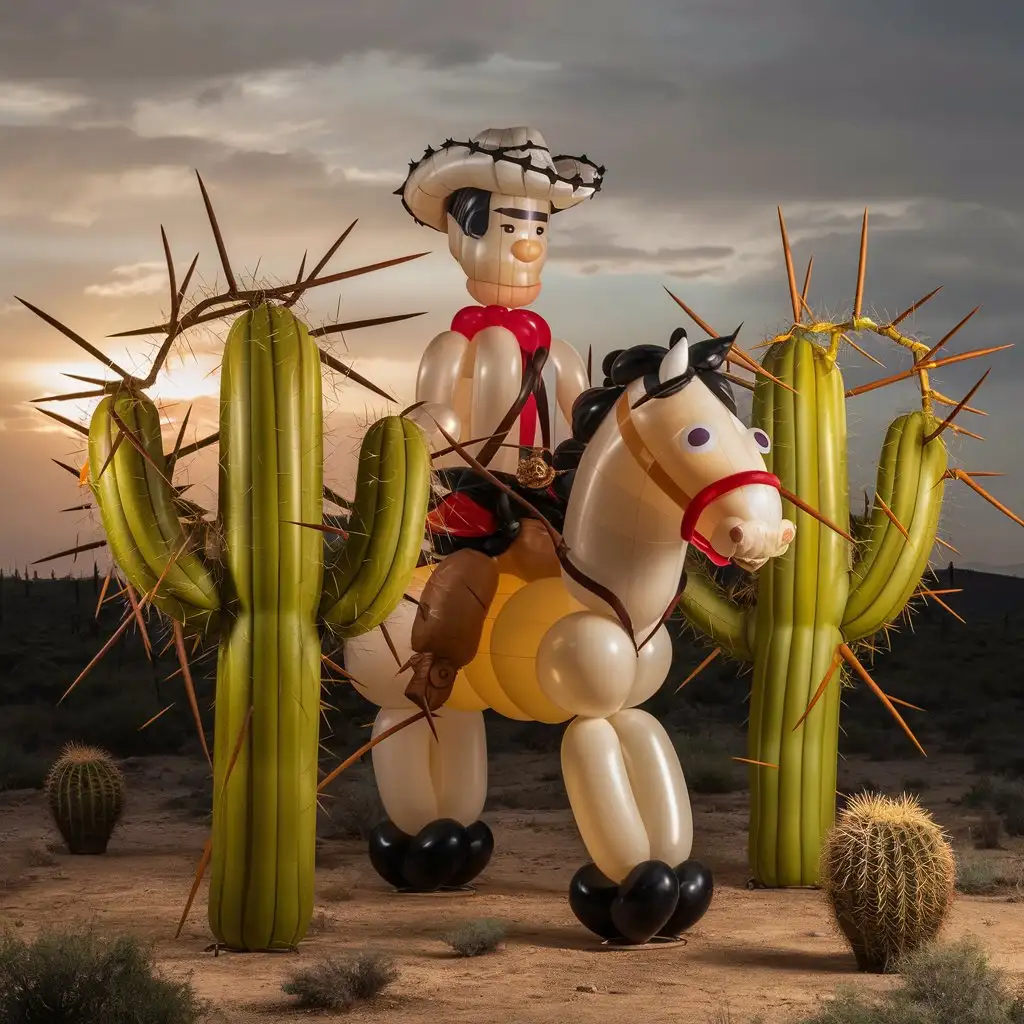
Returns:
(999, 570)
(984, 595)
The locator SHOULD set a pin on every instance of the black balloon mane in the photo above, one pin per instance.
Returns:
(624, 366)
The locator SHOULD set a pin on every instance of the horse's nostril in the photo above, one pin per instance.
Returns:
(736, 533)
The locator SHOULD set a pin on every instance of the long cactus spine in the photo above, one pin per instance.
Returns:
(267, 584)
(824, 596)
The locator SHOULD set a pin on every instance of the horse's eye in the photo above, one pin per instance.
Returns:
(761, 439)
(699, 439)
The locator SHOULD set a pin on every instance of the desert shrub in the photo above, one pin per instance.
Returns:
(339, 984)
(708, 765)
(941, 983)
(977, 877)
(78, 978)
(355, 811)
(20, 769)
(474, 938)
(980, 793)
(987, 832)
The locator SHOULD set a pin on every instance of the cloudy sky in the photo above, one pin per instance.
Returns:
(303, 116)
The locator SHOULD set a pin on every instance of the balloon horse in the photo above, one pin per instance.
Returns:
(663, 462)
(495, 197)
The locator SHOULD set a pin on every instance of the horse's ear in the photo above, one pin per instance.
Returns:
(677, 360)
(711, 353)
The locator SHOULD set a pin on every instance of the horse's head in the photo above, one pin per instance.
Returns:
(703, 456)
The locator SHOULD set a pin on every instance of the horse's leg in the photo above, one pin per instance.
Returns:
(622, 775)
(432, 790)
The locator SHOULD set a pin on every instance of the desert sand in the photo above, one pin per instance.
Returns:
(756, 951)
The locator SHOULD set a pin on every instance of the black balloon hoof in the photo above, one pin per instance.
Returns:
(591, 895)
(388, 847)
(645, 902)
(696, 887)
(442, 855)
(434, 855)
(481, 846)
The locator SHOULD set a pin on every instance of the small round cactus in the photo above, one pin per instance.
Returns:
(888, 871)
(85, 792)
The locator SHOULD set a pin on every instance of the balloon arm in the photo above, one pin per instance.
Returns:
(441, 368)
(571, 375)
(707, 607)
(561, 549)
(531, 379)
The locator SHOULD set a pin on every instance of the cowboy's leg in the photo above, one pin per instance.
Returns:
(423, 783)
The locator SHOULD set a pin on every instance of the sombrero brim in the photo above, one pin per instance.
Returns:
(528, 171)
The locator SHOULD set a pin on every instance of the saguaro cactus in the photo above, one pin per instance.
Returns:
(832, 589)
(259, 579)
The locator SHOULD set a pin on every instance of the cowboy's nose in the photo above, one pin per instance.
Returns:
(526, 250)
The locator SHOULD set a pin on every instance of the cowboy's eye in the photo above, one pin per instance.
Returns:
(762, 440)
(540, 231)
(699, 439)
(507, 228)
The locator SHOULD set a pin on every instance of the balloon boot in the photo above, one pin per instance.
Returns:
(444, 854)
(653, 900)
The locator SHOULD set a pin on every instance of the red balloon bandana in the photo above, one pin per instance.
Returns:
(531, 331)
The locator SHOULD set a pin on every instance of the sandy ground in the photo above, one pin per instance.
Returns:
(770, 952)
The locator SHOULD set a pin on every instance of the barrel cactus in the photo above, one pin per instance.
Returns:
(888, 872)
(843, 583)
(265, 579)
(85, 793)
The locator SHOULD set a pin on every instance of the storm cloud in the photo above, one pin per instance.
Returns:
(303, 116)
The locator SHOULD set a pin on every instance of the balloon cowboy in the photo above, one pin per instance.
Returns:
(495, 197)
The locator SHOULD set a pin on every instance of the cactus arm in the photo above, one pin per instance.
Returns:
(139, 547)
(897, 484)
(707, 607)
(367, 579)
(926, 471)
(341, 570)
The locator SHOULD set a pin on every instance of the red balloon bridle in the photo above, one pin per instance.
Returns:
(693, 505)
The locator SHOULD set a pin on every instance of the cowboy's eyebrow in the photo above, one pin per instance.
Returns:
(521, 214)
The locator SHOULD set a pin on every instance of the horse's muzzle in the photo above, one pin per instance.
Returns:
(749, 543)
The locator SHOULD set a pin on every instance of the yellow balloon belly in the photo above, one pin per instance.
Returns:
(516, 634)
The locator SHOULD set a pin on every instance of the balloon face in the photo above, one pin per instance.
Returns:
(503, 266)
(700, 444)
(696, 887)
